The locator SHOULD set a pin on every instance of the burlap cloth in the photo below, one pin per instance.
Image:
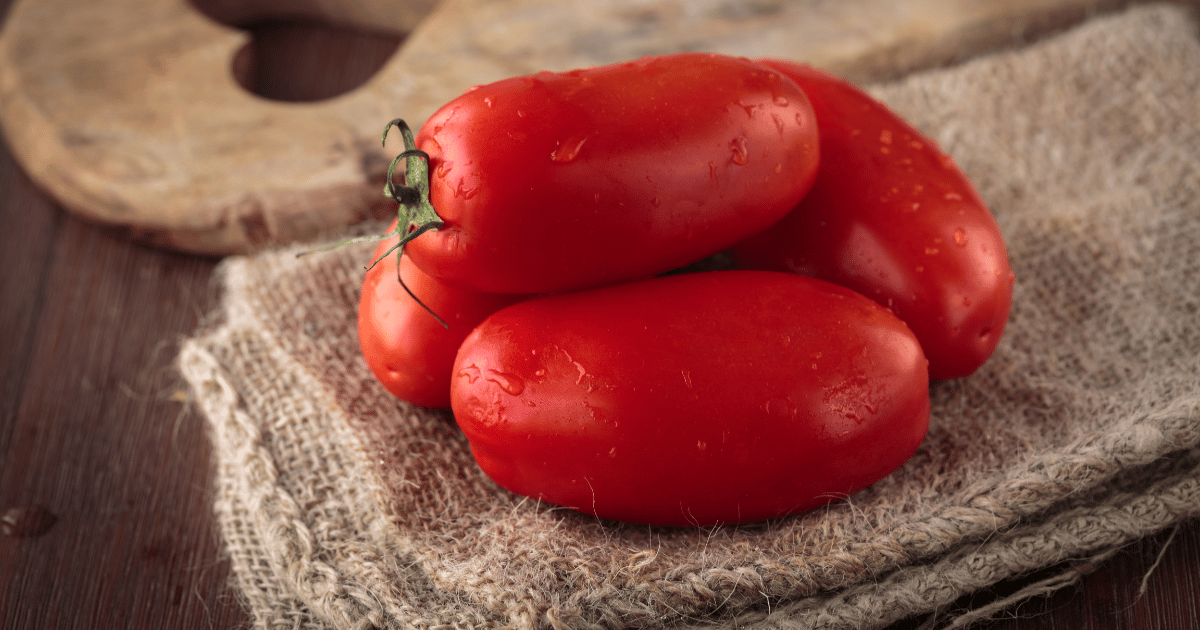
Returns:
(342, 507)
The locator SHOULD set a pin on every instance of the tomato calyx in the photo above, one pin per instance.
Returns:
(414, 212)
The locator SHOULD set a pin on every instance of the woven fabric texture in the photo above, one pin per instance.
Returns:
(342, 507)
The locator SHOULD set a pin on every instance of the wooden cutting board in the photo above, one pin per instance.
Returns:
(128, 113)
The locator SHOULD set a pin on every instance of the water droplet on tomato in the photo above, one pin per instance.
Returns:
(778, 123)
(952, 196)
(612, 452)
(463, 191)
(487, 100)
(960, 237)
(509, 383)
(494, 415)
(919, 269)
(568, 149)
(780, 408)
(885, 136)
(540, 372)
(701, 446)
(582, 371)
(781, 101)
(740, 154)
(471, 372)
(929, 251)
(916, 205)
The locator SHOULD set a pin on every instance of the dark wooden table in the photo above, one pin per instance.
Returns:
(105, 467)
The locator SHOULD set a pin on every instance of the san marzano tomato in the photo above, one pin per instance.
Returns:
(407, 349)
(559, 181)
(893, 218)
(692, 399)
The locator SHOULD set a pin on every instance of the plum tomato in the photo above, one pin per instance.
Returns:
(893, 218)
(407, 349)
(537, 181)
(692, 399)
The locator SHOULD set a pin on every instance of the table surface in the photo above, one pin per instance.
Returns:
(105, 467)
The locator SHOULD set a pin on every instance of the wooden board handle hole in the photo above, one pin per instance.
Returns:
(288, 57)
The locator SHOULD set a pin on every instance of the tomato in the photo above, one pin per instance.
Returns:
(559, 181)
(407, 349)
(692, 399)
(893, 218)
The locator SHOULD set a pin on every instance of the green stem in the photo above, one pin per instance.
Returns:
(415, 214)
(414, 211)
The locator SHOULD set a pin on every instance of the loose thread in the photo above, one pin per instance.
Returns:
(1042, 587)
(1161, 553)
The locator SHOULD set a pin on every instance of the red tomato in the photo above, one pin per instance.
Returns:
(893, 218)
(560, 181)
(693, 399)
(408, 350)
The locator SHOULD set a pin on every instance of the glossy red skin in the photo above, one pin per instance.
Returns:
(893, 218)
(559, 181)
(409, 352)
(693, 399)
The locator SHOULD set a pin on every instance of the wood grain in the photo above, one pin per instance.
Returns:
(94, 427)
(128, 111)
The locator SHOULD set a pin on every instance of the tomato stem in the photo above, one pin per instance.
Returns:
(414, 212)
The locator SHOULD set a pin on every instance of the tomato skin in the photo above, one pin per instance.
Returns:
(693, 399)
(893, 218)
(409, 352)
(539, 179)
